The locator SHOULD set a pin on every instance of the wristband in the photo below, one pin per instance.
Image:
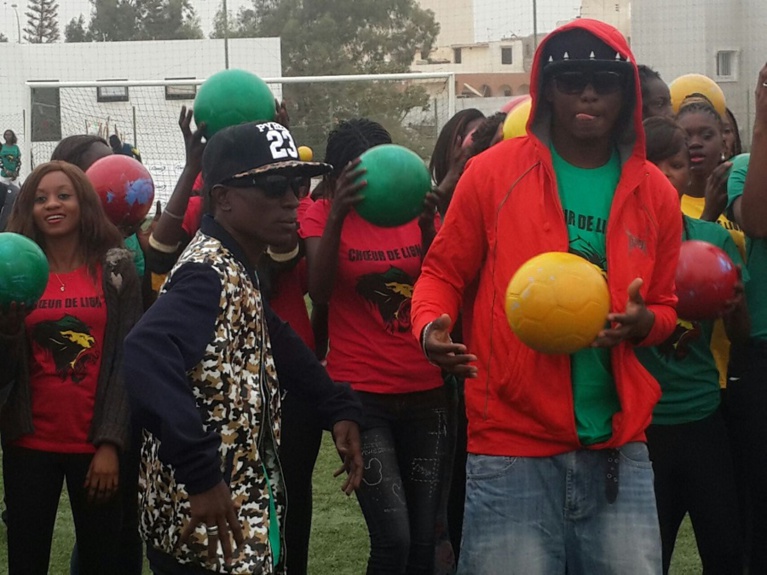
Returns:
(161, 247)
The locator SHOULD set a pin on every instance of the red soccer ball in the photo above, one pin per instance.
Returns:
(125, 187)
(705, 280)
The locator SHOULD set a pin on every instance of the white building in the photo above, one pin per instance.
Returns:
(723, 40)
(145, 116)
(617, 13)
(456, 20)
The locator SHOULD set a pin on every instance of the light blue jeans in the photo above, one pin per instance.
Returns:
(550, 515)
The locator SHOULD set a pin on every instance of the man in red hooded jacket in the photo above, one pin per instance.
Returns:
(558, 474)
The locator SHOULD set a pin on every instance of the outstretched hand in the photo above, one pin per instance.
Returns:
(346, 435)
(442, 352)
(633, 325)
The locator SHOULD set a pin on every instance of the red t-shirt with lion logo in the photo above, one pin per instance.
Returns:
(371, 346)
(65, 331)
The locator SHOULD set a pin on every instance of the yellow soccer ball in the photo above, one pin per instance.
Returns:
(557, 303)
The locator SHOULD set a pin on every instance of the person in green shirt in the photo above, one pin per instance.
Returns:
(10, 158)
(747, 382)
(687, 439)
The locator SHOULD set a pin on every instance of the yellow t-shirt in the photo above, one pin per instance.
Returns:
(720, 345)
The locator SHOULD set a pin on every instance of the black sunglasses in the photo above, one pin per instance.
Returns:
(604, 82)
(273, 185)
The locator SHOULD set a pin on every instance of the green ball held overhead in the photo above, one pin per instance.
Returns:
(397, 184)
(233, 97)
(23, 270)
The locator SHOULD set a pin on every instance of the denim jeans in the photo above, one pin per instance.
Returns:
(551, 515)
(404, 446)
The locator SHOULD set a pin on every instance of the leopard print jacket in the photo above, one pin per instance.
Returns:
(235, 386)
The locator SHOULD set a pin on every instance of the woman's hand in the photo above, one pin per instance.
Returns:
(348, 186)
(101, 481)
(192, 140)
(282, 116)
(346, 435)
(716, 192)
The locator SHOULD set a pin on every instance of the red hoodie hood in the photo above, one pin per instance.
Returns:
(630, 139)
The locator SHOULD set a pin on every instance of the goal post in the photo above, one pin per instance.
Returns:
(413, 107)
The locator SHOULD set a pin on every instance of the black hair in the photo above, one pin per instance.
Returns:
(737, 148)
(485, 132)
(646, 76)
(114, 140)
(439, 164)
(72, 148)
(350, 139)
(699, 103)
(14, 139)
(664, 138)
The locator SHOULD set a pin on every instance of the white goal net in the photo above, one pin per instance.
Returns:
(413, 107)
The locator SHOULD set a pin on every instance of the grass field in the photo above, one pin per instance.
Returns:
(339, 539)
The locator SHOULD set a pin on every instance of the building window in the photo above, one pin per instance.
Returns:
(506, 90)
(506, 55)
(180, 91)
(46, 114)
(727, 65)
(112, 93)
(457, 55)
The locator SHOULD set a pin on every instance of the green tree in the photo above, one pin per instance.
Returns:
(113, 20)
(42, 22)
(167, 20)
(330, 37)
(116, 20)
(76, 30)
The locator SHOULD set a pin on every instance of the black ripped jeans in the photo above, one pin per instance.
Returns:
(405, 448)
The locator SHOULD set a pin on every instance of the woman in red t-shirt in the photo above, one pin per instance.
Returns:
(366, 275)
(66, 417)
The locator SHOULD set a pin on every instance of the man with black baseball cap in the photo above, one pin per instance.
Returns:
(558, 474)
(203, 368)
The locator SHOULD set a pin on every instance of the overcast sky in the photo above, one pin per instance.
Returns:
(493, 16)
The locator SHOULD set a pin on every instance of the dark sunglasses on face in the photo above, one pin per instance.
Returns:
(604, 82)
(273, 185)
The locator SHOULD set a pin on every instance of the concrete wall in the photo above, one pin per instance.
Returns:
(156, 127)
(677, 38)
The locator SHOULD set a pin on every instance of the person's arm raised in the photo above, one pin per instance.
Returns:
(169, 231)
(322, 253)
(750, 210)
